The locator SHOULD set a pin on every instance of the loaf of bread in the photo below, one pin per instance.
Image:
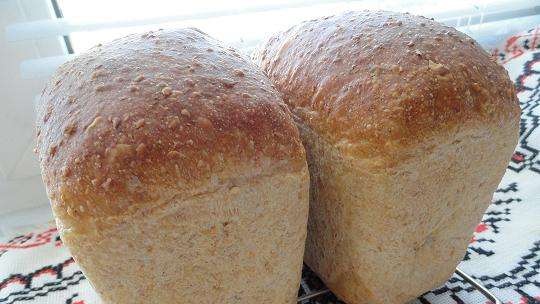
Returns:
(175, 172)
(408, 127)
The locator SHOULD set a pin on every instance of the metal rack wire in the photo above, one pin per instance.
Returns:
(313, 291)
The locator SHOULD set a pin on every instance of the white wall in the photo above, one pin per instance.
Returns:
(22, 195)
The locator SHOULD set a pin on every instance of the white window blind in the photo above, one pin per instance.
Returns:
(244, 24)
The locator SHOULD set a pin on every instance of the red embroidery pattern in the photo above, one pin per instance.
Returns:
(517, 45)
(30, 240)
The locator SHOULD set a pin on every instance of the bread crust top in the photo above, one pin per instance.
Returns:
(161, 112)
(372, 83)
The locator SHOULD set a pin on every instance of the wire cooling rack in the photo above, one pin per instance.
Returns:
(313, 291)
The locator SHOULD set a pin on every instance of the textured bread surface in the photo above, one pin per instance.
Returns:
(175, 172)
(408, 127)
(236, 245)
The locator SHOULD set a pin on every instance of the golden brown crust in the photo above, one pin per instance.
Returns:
(371, 82)
(162, 110)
